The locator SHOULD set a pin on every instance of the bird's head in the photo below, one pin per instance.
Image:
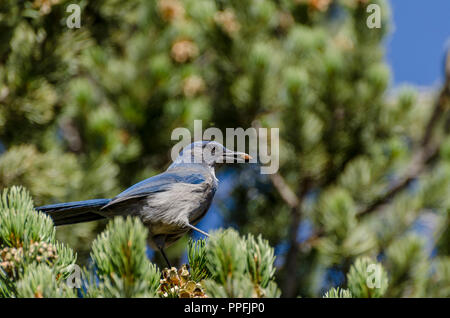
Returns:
(210, 153)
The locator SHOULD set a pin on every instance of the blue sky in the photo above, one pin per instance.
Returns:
(416, 45)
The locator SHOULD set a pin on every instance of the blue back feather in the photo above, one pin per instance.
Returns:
(186, 173)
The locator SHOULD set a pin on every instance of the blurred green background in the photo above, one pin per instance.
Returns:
(85, 113)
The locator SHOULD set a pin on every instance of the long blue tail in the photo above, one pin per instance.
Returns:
(74, 212)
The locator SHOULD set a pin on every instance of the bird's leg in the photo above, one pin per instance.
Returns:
(160, 242)
(164, 255)
(198, 230)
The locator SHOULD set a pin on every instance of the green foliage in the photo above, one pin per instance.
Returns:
(25, 165)
(239, 267)
(440, 280)
(20, 223)
(260, 260)
(119, 256)
(34, 264)
(28, 248)
(409, 266)
(224, 254)
(367, 279)
(197, 260)
(226, 265)
(238, 286)
(337, 211)
(87, 112)
(346, 238)
(338, 293)
(39, 281)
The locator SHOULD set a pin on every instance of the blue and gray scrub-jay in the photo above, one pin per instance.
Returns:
(170, 204)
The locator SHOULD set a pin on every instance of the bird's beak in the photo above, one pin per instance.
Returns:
(231, 156)
(245, 156)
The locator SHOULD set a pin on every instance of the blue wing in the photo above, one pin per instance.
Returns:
(159, 183)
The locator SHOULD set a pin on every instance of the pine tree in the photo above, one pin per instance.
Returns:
(34, 264)
(87, 112)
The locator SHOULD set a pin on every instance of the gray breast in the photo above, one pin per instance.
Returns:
(168, 212)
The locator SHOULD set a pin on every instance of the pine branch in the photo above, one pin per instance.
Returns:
(427, 151)
(294, 202)
(423, 156)
(284, 190)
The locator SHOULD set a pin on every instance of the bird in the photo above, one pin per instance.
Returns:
(169, 204)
